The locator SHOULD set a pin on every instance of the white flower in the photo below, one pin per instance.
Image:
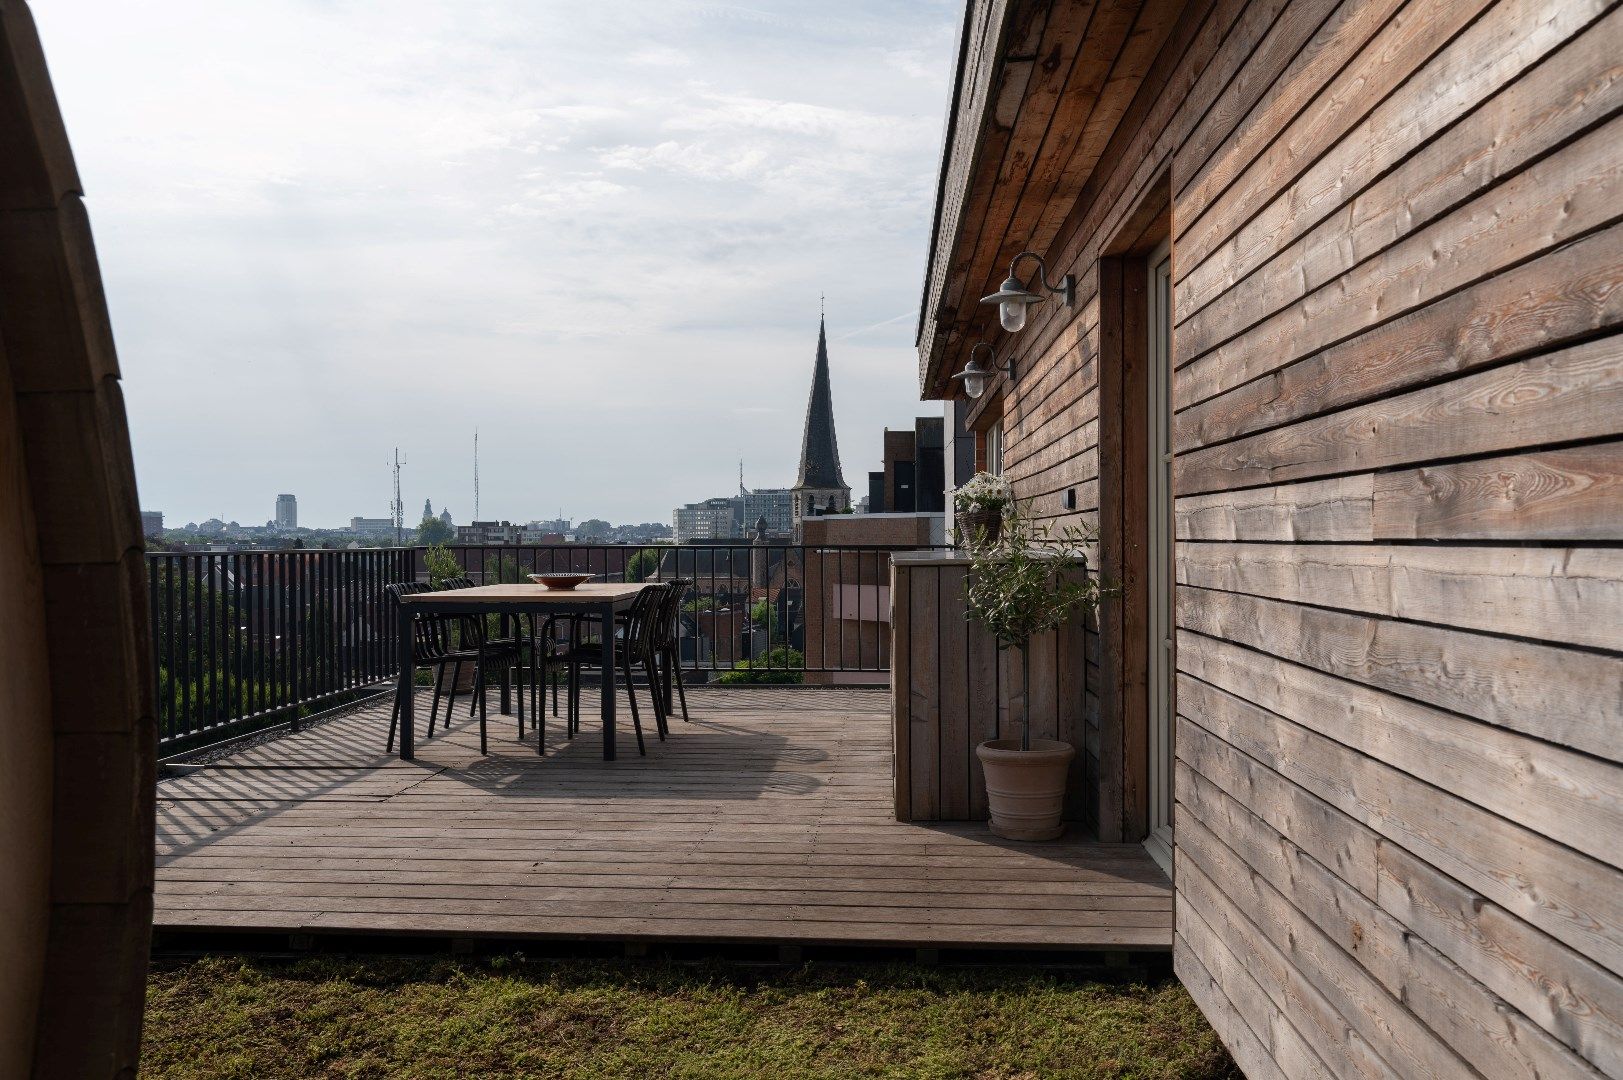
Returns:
(983, 491)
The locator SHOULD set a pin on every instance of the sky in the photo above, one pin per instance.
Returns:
(596, 233)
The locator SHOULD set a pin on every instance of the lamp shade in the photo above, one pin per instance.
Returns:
(974, 377)
(1012, 300)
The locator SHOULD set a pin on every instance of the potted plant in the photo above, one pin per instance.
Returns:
(978, 509)
(1028, 583)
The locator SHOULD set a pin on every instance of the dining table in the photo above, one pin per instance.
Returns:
(604, 600)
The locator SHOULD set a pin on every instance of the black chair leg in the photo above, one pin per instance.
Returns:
(631, 692)
(659, 698)
(518, 691)
(542, 670)
(434, 708)
(450, 701)
(394, 723)
(480, 696)
(681, 693)
(572, 701)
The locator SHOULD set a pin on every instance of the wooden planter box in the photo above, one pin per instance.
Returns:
(951, 689)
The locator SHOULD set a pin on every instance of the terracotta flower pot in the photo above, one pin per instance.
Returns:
(980, 526)
(1026, 788)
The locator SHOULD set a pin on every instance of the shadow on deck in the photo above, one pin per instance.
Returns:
(766, 820)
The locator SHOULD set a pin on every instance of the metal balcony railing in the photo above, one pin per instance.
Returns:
(244, 640)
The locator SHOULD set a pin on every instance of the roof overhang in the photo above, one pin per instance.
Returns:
(1041, 87)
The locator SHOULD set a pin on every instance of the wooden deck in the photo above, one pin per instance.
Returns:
(766, 820)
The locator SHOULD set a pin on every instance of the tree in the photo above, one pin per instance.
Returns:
(765, 616)
(592, 529)
(433, 531)
(641, 565)
(780, 665)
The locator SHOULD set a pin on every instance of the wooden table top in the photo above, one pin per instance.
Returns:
(591, 592)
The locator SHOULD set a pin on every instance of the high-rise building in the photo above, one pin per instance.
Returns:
(819, 488)
(287, 512)
(713, 519)
(777, 505)
(152, 523)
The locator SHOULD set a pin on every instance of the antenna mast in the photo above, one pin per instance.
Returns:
(397, 509)
(476, 474)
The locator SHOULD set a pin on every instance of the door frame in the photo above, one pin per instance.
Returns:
(1124, 791)
(1160, 578)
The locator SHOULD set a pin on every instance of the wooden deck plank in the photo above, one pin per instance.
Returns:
(769, 818)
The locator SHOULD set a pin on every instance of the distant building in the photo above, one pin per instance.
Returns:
(819, 488)
(492, 533)
(777, 505)
(712, 519)
(445, 518)
(914, 478)
(287, 512)
(372, 526)
(152, 523)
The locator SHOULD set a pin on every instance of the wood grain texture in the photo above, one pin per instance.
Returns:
(1494, 1039)
(1560, 198)
(1569, 896)
(1287, 973)
(1557, 298)
(1565, 696)
(1397, 254)
(1574, 494)
(1295, 244)
(767, 818)
(1583, 1009)
(1562, 794)
(1549, 594)
(1322, 510)
(924, 684)
(1576, 393)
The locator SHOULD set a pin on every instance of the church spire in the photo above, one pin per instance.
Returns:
(819, 452)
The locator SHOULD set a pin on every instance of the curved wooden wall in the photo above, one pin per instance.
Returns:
(76, 774)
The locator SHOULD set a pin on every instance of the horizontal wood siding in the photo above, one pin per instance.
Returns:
(1398, 419)
(957, 690)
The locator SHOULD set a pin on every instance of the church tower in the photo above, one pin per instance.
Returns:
(819, 488)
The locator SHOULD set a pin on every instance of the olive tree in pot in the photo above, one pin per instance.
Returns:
(1028, 583)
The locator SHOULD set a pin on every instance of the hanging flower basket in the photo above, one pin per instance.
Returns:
(978, 507)
(980, 528)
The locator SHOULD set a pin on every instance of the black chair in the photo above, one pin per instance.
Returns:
(668, 647)
(430, 647)
(634, 644)
(504, 653)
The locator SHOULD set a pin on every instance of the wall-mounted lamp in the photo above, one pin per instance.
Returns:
(1013, 298)
(975, 376)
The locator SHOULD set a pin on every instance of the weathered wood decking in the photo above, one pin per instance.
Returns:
(765, 820)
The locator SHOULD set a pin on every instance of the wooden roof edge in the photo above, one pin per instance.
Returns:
(967, 114)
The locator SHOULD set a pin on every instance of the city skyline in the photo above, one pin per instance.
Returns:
(309, 262)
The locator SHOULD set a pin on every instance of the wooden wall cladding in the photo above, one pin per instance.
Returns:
(1398, 420)
(62, 388)
(952, 689)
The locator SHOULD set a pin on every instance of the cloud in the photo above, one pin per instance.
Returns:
(327, 229)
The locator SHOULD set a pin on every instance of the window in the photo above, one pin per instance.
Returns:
(994, 448)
